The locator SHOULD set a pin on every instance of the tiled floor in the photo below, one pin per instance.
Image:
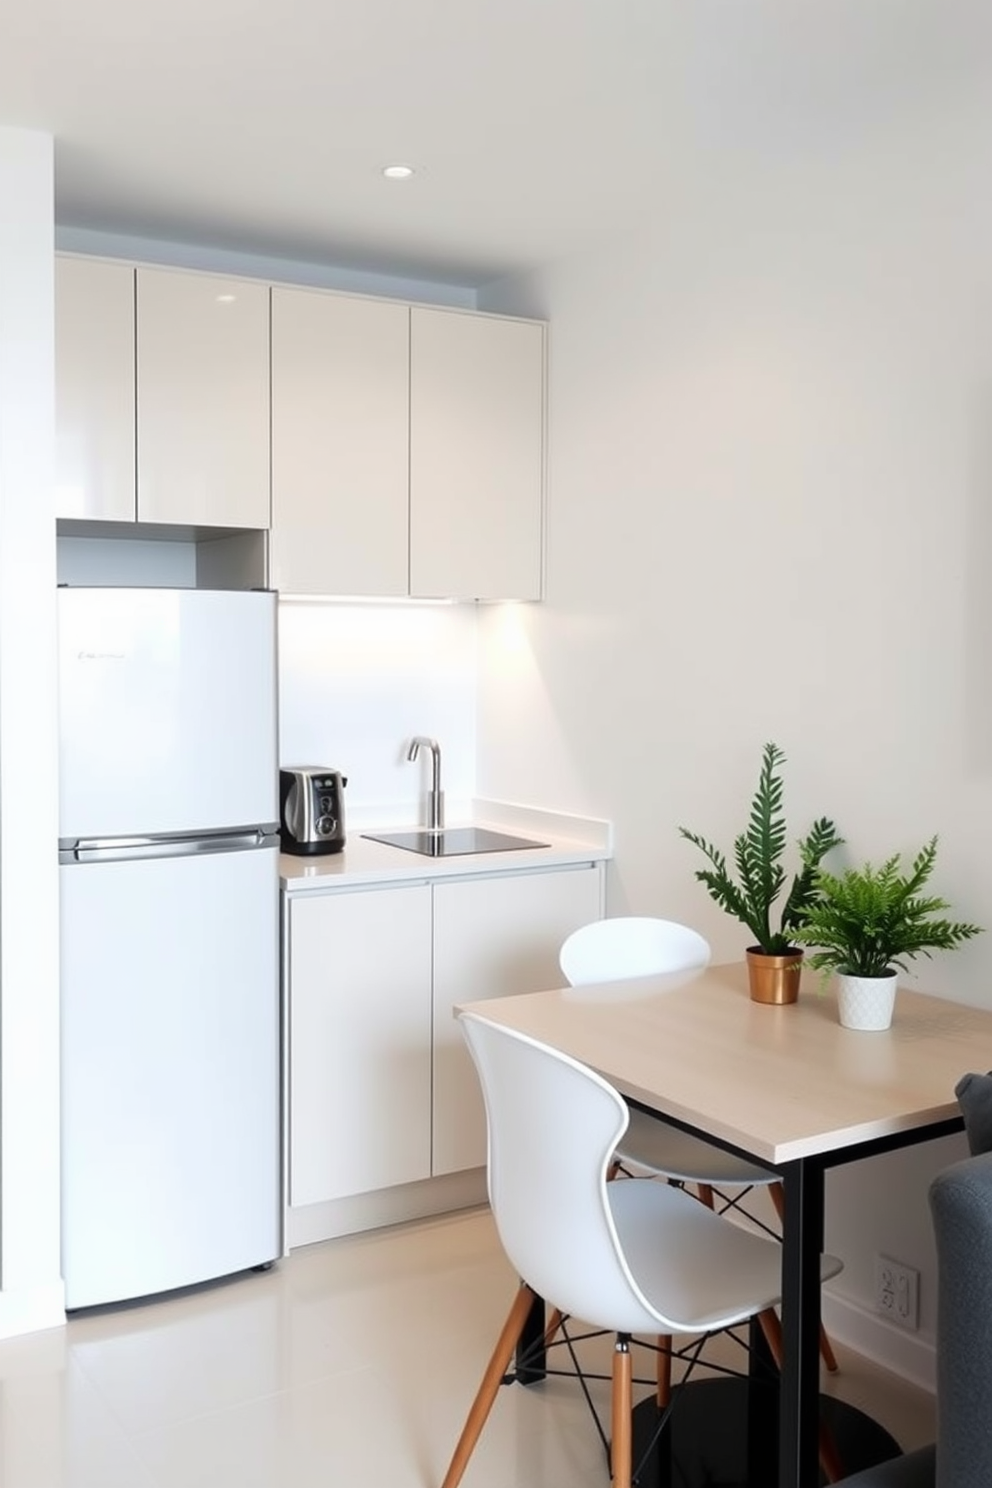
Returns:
(350, 1365)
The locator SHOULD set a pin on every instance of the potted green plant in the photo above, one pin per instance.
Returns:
(775, 958)
(865, 924)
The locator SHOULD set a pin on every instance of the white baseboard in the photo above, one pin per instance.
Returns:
(910, 1355)
(31, 1310)
(315, 1222)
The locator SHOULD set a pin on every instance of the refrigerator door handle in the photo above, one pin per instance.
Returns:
(194, 844)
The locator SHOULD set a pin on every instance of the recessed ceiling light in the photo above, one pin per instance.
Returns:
(226, 299)
(397, 172)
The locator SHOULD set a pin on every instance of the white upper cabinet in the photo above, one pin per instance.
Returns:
(203, 399)
(476, 455)
(94, 389)
(340, 444)
(394, 450)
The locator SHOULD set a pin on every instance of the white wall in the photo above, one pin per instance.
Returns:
(31, 1294)
(771, 518)
(102, 561)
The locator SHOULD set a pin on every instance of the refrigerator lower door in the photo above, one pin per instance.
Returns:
(170, 1072)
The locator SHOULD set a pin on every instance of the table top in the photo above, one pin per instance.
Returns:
(782, 1083)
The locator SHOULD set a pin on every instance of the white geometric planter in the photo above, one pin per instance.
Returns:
(866, 1003)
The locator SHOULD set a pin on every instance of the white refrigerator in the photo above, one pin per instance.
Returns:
(168, 853)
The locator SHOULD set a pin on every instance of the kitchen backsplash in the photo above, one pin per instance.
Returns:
(356, 682)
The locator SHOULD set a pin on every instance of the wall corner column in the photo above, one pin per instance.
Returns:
(31, 1291)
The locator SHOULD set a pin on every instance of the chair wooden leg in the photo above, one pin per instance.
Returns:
(621, 1445)
(771, 1327)
(833, 1469)
(664, 1370)
(827, 1352)
(705, 1193)
(491, 1380)
(826, 1347)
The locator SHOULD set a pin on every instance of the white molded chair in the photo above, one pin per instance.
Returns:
(631, 946)
(635, 946)
(630, 1257)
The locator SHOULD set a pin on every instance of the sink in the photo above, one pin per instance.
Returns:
(452, 841)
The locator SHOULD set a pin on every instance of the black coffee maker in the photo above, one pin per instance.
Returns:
(311, 809)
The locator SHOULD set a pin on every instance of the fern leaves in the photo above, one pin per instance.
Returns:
(870, 920)
(757, 858)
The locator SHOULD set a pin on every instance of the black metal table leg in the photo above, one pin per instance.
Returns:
(802, 1244)
(531, 1354)
(762, 1408)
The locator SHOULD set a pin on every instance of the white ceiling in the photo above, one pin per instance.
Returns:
(536, 126)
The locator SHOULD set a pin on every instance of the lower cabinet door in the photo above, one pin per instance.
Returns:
(360, 1060)
(493, 937)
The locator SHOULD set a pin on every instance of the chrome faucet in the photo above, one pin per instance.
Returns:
(436, 796)
(435, 800)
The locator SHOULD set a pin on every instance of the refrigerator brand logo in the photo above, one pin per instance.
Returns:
(99, 655)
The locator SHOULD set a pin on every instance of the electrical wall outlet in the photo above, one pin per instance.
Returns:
(897, 1292)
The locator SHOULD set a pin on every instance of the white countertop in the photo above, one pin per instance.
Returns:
(570, 839)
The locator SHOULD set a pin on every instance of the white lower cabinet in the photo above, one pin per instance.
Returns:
(381, 1089)
(493, 937)
(360, 1055)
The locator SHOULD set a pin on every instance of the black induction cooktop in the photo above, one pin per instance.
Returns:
(452, 841)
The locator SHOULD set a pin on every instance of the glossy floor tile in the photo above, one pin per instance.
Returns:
(349, 1365)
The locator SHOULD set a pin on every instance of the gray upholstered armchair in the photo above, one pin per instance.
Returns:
(961, 1207)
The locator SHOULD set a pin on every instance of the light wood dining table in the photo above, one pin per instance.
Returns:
(787, 1086)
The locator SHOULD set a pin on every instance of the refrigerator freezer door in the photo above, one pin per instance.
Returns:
(167, 713)
(171, 1072)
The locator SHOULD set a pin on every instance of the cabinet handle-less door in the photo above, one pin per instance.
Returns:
(476, 455)
(360, 1056)
(493, 937)
(203, 400)
(94, 390)
(340, 437)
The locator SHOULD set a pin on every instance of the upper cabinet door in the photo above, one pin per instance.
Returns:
(94, 389)
(340, 444)
(203, 400)
(476, 455)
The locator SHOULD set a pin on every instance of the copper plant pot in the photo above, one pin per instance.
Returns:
(774, 979)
